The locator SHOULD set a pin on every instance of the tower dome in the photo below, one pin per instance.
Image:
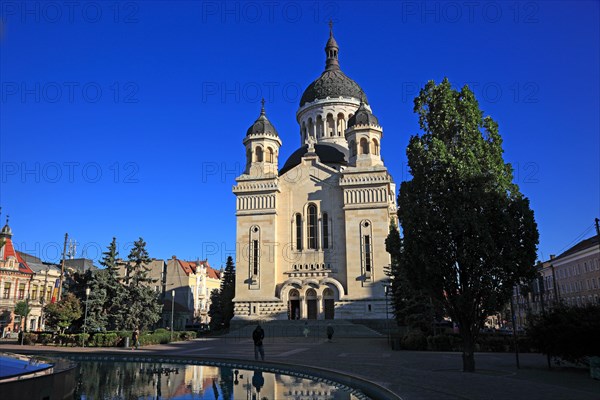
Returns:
(363, 117)
(6, 231)
(332, 82)
(262, 125)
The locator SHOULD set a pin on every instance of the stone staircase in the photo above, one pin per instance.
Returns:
(295, 328)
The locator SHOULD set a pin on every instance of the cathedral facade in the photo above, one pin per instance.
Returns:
(311, 231)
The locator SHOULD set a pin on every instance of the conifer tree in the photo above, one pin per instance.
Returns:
(215, 311)
(106, 293)
(227, 291)
(141, 306)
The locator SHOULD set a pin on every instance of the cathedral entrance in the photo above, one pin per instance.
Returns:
(294, 305)
(311, 304)
(328, 304)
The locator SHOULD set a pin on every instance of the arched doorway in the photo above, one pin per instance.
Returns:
(294, 304)
(311, 304)
(328, 304)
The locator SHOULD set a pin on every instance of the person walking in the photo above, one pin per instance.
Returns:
(135, 339)
(258, 335)
(306, 331)
(329, 332)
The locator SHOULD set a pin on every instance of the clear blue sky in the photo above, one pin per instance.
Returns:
(126, 119)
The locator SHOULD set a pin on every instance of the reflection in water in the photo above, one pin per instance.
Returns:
(147, 380)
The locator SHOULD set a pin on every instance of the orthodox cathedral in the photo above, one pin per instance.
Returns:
(311, 231)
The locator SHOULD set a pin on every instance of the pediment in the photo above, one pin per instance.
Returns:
(310, 170)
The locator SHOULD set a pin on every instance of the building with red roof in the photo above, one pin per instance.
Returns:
(188, 287)
(15, 280)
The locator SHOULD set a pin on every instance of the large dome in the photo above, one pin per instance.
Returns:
(332, 83)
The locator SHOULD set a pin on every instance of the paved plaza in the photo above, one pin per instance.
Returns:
(411, 375)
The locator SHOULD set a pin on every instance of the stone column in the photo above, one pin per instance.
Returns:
(303, 308)
(320, 308)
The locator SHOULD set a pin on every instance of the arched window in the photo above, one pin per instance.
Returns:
(269, 154)
(330, 125)
(325, 231)
(375, 147)
(312, 226)
(303, 132)
(248, 157)
(352, 148)
(298, 232)
(259, 154)
(320, 129)
(311, 127)
(254, 254)
(366, 245)
(341, 124)
(364, 146)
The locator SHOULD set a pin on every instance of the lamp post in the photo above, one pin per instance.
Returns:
(87, 296)
(172, 311)
(386, 288)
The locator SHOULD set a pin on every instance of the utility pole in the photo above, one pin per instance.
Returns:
(42, 300)
(62, 268)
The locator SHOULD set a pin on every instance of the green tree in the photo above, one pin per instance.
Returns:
(469, 235)
(63, 313)
(227, 291)
(76, 283)
(22, 308)
(215, 311)
(107, 293)
(141, 305)
(411, 306)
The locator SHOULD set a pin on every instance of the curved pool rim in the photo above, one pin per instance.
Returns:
(367, 387)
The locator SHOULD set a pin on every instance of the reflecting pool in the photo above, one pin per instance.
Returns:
(164, 380)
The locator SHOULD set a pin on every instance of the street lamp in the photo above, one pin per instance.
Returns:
(87, 296)
(172, 311)
(386, 288)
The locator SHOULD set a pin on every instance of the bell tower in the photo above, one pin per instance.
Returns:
(262, 147)
(364, 138)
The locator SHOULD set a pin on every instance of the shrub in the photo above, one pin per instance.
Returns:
(109, 339)
(439, 343)
(187, 335)
(44, 338)
(494, 343)
(81, 338)
(29, 338)
(570, 333)
(414, 340)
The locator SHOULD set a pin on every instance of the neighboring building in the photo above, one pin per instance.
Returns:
(577, 273)
(192, 282)
(45, 279)
(311, 233)
(79, 265)
(156, 273)
(15, 280)
(572, 278)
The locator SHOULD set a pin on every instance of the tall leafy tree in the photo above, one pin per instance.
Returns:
(411, 305)
(469, 235)
(22, 308)
(227, 291)
(76, 283)
(64, 312)
(141, 302)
